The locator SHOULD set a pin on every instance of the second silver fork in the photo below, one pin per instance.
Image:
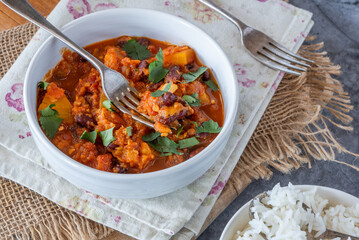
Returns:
(263, 48)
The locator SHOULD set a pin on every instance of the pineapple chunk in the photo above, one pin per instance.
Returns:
(178, 55)
(172, 89)
(56, 95)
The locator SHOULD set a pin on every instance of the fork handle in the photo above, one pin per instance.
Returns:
(23, 8)
(239, 24)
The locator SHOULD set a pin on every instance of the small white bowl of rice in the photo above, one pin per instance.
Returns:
(287, 219)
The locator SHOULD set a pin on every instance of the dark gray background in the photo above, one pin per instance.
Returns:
(337, 24)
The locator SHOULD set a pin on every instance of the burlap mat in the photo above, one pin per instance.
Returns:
(292, 131)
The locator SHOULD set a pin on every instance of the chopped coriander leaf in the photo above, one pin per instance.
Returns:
(191, 76)
(136, 50)
(165, 154)
(156, 69)
(159, 55)
(89, 136)
(108, 104)
(107, 136)
(188, 142)
(159, 93)
(192, 100)
(150, 137)
(212, 85)
(43, 85)
(181, 128)
(209, 127)
(165, 145)
(50, 121)
(129, 131)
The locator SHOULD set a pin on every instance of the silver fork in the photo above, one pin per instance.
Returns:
(263, 48)
(114, 84)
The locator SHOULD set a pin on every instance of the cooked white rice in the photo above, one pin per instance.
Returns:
(287, 219)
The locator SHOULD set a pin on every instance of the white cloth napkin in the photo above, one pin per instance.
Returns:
(180, 214)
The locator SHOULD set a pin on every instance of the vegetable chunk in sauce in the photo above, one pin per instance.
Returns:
(77, 117)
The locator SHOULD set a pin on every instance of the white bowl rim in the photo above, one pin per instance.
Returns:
(138, 176)
(301, 187)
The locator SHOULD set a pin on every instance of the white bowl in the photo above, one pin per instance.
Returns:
(134, 22)
(241, 218)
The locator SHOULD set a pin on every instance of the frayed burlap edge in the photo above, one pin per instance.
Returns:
(67, 225)
(294, 128)
(27, 215)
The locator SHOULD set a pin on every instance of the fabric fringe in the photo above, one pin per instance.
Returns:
(294, 128)
(65, 226)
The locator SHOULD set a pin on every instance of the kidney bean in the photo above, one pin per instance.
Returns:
(206, 76)
(203, 135)
(144, 42)
(121, 43)
(82, 59)
(112, 146)
(85, 121)
(174, 74)
(101, 149)
(195, 152)
(143, 64)
(180, 100)
(167, 99)
(172, 118)
(189, 66)
(118, 169)
(153, 87)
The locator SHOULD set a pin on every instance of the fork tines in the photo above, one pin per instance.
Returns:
(278, 57)
(128, 99)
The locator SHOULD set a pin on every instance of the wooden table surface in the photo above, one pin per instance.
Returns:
(10, 19)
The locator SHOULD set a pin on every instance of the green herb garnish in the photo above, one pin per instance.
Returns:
(136, 50)
(129, 131)
(108, 104)
(191, 76)
(156, 69)
(212, 85)
(159, 93)
(181, 128)
(188, 142)
(50, 121)
(209, 127)
(107, 136)
(150, 137)
(165, 145)
(192, 100)
(43, 85)
(89, 136)
(165, 154)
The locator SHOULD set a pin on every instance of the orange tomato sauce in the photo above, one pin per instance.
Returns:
(75, 89)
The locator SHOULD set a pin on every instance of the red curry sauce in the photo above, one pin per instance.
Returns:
(75, 90)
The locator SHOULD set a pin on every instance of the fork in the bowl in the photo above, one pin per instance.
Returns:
(263, 48)
(114, 84)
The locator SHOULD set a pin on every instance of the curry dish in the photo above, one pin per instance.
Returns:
(177, 92)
